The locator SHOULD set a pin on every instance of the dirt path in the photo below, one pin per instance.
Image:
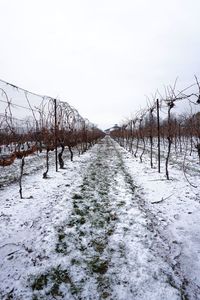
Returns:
(106, 245)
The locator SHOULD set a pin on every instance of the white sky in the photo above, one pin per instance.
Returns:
(101, 56)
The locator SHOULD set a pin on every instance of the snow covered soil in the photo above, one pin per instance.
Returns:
(105, 227)
(182, 158)
(33, 163)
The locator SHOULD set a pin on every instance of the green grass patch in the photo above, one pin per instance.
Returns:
(79, 212)
(99, 245)
(52, 281)
(61, 246)
(98, 265)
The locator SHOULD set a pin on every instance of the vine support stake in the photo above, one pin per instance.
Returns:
(55, 135)
(158, 132)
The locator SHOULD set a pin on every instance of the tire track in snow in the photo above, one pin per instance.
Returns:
(146, 275)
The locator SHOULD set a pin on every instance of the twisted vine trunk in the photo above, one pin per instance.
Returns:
(179, 137)
(168, 155)
(136, 150)
(169, 138)
(60, 159)
(71, 152)
(47, 164)
(20, 177)
(151, 150)
(143, 150)
(198, 150)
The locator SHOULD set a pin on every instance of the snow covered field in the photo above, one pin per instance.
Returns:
(105, 227)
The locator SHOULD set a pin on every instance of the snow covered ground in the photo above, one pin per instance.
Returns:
(105, 227)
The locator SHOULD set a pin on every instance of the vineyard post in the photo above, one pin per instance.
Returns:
(158, 132)
(55, 135)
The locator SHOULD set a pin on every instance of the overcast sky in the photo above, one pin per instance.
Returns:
(101, 56)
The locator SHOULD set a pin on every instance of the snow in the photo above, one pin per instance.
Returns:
(105, 227)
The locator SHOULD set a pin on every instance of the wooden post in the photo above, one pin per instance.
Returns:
(158, 132)
(55, 135)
